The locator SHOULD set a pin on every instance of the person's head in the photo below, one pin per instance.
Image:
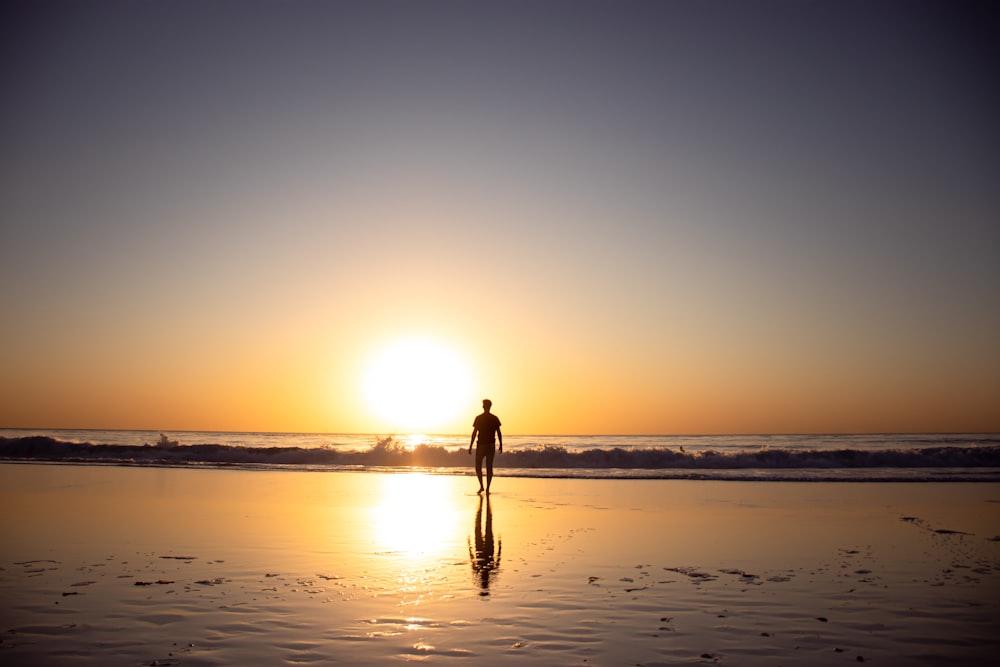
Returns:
(487, 404)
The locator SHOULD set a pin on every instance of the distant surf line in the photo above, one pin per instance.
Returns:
(935, 463)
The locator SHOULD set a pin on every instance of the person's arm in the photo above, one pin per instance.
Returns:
(473, 438)
(500, 440)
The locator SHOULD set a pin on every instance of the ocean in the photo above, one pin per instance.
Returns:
(924, 457)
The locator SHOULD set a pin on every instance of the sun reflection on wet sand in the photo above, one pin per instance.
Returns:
(416, 516)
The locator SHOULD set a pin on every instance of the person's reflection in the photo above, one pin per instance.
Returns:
(485, 562)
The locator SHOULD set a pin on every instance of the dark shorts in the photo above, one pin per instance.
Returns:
(485, 450)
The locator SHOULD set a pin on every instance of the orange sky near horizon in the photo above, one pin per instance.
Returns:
(307, 384)
(635, 218)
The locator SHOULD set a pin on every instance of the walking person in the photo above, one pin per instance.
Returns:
(487, 427)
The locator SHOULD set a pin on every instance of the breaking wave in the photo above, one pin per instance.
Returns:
(936, 463)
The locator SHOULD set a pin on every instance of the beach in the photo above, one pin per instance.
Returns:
(126, 565)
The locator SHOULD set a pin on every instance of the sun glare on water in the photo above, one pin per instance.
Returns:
(417, 385)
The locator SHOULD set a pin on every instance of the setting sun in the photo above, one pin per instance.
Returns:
(417, 385)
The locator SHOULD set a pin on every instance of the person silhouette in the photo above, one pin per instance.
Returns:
(487, 426)
(485, 561)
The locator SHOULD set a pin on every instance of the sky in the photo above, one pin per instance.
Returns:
(616, 217)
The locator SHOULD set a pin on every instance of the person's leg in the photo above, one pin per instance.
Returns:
(489, 471)
(479, 466)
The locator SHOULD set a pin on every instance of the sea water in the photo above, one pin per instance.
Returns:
(818, 457)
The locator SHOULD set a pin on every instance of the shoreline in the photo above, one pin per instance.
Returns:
(861, 475)
(379, 567)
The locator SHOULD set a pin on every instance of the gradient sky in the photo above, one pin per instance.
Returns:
(627, 217)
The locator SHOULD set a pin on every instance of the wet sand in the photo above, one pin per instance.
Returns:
(140, 566)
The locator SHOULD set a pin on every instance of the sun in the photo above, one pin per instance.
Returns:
(417, 385)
